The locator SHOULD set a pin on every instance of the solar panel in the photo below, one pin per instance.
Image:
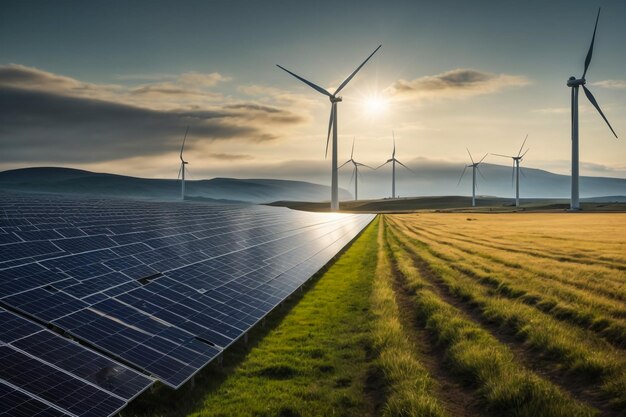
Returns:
(15, 403)
(161, 287)
(48, 350)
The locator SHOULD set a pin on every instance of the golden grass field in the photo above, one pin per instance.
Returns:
(529, 310)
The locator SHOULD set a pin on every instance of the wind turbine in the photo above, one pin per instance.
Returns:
(355, 171)
(574, 84)
(516, 169)
(474, 166)
(182, 166)
(393, 161)
(332, 124)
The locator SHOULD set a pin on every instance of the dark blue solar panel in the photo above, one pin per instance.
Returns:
(84, 363)
(55, 386)
(80, 362)
(15, 403)
(162, 286)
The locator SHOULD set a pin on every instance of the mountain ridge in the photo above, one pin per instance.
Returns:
(76, 181)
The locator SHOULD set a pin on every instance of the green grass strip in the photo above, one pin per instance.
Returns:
(408, 384)
(312, 363)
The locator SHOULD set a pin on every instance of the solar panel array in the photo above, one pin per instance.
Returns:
(101, 297)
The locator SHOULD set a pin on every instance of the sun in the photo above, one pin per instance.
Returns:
(376, 105)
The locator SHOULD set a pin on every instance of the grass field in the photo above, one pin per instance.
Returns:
(434, 314)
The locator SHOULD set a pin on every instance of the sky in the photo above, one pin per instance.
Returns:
(111, 86)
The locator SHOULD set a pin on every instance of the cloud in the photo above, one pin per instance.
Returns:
(49, 117)
(553, 110)
(457, 83)
(231, 156)
(614, 84)
(190, 89)
(204, 80)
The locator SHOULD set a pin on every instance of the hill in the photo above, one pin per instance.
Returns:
(75, 181)
(436, 178)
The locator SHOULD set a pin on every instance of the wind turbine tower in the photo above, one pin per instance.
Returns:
(332, 125)
(516, 168)
(181, 171)
(393, 161)
(355, 171)
(575, 84)
(474, 166)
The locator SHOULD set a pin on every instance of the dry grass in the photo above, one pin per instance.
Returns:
(526, 274)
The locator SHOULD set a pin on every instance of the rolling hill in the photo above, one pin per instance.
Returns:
(75, 181)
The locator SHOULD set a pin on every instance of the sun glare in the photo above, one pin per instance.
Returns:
(376, 105)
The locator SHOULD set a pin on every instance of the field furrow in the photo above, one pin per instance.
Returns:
(504, 386)
(565, 251)
(578, 351)
(603, 317)
(402, 376)
(595, 278)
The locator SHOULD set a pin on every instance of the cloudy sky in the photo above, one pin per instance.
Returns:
(111, 86)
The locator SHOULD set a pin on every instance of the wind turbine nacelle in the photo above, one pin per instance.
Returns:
(574, 82)
(336, 99)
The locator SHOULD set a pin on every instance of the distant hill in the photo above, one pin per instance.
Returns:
(441, 178)
(67, 180)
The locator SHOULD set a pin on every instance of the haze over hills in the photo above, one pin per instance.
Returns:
(429, 179)
(67, 180)
(438, 179)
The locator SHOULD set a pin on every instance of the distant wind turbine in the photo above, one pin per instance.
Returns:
(393, 161)
(332, 124)
(516, 169)
(355, 171)
(574, 84)
(474, 166)
(182, 169)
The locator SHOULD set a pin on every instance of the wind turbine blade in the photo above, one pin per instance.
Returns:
(330, 126)
(189, 173)
(522, 172)
(593, 101)
(393, 155)
(382, 165)
(481, 174)
(522, 147)
(309, 83)
(364, 165)
(179, 171)
(593, 39)
(347, 80)
(461, 177)
(405, 166)
(504, 156)
(483, 158)
(352, 176)
(352, 153)
(468, 152)
(341, 166)
(183, 146)
(525, 153)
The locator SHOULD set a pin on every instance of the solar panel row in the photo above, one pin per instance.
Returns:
(55, 370)
(160, 287)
